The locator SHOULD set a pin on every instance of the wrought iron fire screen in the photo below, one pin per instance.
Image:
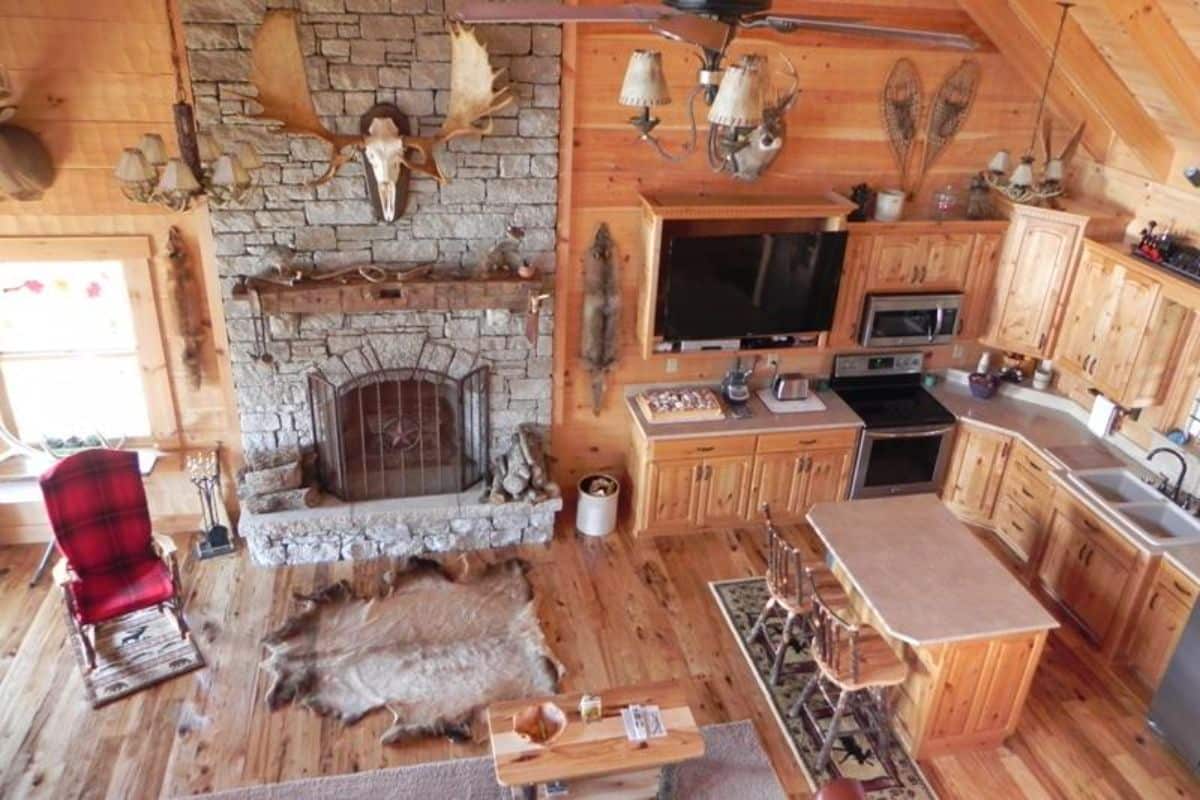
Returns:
(400, 432)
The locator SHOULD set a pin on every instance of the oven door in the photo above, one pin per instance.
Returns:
(911, 320)
(905, 460)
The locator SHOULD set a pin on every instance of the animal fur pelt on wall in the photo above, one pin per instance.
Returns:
(433, 646)
(188, 318)
(601, 304)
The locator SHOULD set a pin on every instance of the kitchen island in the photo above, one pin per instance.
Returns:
(969, 632)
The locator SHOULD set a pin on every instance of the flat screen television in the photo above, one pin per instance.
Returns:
(763, 284)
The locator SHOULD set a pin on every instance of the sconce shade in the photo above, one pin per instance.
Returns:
(739, 101)
(644, 83)
(1022, 176)
(208, 147)
(1054, 170)
(245, 153)
(177, 179)
(999, 163)
(152, 147)
(132, 167)
(228, 172)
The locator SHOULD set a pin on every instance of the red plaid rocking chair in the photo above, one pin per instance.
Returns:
(112, 563)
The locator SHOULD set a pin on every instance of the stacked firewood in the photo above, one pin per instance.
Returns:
(276, 488)
(520, 474)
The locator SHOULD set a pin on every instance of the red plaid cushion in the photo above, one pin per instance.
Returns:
(105, 595)
(97, 508)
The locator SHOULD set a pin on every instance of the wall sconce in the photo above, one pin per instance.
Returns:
(148, 175)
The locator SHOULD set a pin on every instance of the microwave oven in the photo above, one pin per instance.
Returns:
(907, 320)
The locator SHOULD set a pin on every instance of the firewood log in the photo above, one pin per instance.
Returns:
(287, 500)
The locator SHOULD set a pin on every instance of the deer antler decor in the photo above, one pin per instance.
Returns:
(277, 71)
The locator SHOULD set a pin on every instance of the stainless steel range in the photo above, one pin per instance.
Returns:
(906, 441)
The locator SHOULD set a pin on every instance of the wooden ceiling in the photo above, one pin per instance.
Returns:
(1129, 68)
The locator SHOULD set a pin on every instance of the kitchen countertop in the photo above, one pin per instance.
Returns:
(1187, 558)
(836, 415)
(929, 580)
(1058, 435)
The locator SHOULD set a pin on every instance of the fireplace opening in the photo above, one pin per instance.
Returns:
(400, 433)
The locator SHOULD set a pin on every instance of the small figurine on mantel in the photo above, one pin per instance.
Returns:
(863, 197)
(979, 199)
(505, 256)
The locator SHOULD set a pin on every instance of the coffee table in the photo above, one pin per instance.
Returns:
(596, 760)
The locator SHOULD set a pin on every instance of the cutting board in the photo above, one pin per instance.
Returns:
(809, 404)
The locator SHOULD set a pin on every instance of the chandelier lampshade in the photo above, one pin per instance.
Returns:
(644, 84)
(739, 101)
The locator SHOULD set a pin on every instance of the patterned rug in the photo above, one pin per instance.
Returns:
(741, 602)
(134, 652)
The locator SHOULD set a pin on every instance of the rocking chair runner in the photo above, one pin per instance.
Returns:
(112, 563)
(789, 580)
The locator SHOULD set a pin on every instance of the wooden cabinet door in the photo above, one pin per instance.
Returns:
(1113, 363)
(976, 470)
(1037, 257)
(827, 478)
(947, 262)
(895, 262)
(1088, 314)
(1097, 590)
(777, 478)
(725, 490)
(1065, 543)
(1155, 634)
(674, 493)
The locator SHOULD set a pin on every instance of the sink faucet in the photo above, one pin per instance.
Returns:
(1182, 468)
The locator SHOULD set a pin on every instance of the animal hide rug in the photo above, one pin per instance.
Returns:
(432, 648)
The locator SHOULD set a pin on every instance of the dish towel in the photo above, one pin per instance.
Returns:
(1104, 414)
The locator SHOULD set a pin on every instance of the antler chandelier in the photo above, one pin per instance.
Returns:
(742, 111)
(1021, 186)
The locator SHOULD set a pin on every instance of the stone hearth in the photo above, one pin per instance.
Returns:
(338, 531)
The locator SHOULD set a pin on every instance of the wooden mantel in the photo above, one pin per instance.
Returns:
(693, 205)
(358, 295)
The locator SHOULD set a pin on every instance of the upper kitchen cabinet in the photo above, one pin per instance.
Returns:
(950, 257)
(1120, 332)
(1036, 263)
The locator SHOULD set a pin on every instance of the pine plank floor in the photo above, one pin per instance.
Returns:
(615, 611)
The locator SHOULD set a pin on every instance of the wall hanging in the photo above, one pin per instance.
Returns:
(601, 302)
(736, 96)
(948, 112)
(901, 104)
(277, 72)
(185, 299)
(26, 168)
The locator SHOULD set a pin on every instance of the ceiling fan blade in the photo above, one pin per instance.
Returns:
(691, 29)
(787, 24)
(526, 11)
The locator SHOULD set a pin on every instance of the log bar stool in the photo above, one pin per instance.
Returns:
(790, 580)
(859, 662)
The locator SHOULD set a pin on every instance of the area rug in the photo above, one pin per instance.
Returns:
(134, 652)
(433, 647)
(898, 776)
(734, 767)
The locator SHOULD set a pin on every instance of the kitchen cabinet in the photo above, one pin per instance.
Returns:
(1119, 333)
(1022, 506)
(688, 484)
(1090, 569)
(976, 470)
(955, 256)
(1159, 623)
(1040, 252)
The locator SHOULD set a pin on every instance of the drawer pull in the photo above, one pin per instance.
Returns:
(1089, 524)
(807, 441)
(1079, 555)
(705, 449)
(1183, 590)
(1033, 466)
(1087, 562)
(1016, 525)
(1153, 600)
(1028, 493)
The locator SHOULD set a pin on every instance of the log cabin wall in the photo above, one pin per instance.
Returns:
(91, 78)
(835, 140)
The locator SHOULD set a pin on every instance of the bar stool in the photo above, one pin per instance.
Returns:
(790, 580)
(859, 663)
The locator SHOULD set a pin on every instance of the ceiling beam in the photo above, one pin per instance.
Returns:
(1030, 59)
(1165, 51)
(1082, 64)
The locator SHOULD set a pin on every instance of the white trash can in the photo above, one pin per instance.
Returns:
(596, 512)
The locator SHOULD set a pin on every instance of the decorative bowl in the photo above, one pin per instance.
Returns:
(983, 386)
(541, 723)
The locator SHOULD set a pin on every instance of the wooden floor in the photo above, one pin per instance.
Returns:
(615, 612)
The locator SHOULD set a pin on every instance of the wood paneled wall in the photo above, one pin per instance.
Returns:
(92, 77)
(835, 140)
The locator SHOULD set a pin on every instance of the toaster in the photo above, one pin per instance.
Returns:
(789, 386)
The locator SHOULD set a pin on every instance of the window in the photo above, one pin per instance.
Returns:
(69, 352)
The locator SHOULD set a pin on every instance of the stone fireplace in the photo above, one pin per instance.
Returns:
(455, 350)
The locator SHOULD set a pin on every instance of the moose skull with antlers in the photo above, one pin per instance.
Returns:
(277, 72)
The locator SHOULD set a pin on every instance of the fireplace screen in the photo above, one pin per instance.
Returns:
(400, 433)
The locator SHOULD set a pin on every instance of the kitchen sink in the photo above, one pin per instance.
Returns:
(1162, 521)
(1116, 486)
